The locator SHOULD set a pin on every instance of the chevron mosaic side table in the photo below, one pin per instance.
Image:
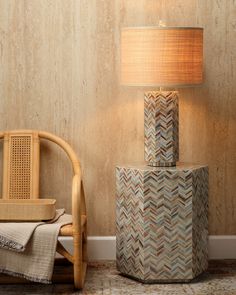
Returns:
(162, 224)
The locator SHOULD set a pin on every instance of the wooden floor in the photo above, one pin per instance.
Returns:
(63, 273)
(102, 278)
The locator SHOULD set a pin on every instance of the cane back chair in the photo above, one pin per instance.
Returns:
(21, 152)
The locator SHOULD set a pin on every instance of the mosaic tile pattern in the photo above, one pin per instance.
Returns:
(162, 222)
(161, 128)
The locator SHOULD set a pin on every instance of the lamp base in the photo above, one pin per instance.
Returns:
(161, 128)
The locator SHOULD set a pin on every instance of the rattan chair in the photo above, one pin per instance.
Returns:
(21, 181)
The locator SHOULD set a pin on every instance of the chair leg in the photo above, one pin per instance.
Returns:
(84, 247)
(78, 262)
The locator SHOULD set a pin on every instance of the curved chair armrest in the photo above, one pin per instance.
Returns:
(78, 202)
(65, 146)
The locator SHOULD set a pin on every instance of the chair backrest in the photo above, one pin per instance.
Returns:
(21, 165)
(21, 153)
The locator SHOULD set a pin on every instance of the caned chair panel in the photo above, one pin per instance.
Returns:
(21, 165)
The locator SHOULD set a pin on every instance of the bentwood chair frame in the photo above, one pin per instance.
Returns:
(21, 181)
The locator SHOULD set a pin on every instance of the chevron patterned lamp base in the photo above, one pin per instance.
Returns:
(162, 225)
(161, 128)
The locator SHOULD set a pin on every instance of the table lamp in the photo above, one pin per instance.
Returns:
(161, 57)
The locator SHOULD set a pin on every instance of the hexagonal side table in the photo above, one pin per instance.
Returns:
(162, 224)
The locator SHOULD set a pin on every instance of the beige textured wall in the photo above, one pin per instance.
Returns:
(59, 69)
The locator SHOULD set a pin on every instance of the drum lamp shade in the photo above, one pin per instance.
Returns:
(161, 56)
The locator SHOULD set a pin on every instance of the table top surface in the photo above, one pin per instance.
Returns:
(179, 166)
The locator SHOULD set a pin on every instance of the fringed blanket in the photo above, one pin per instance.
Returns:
(28, 249)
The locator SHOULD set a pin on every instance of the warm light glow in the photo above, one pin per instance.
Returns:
(161, 56)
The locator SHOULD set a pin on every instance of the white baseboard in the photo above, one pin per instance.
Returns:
(99, 248)
(104, 248)
(222, 247)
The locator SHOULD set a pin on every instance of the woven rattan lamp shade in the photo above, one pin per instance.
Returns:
(161, 56)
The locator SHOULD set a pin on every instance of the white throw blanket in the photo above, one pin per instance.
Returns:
(28, 249)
